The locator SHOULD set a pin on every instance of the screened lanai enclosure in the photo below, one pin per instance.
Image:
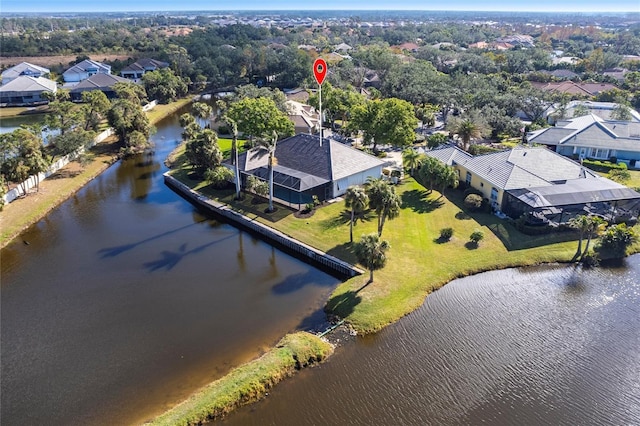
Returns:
(557, 204)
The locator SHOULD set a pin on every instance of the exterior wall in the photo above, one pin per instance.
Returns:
(79, 76)
(340, 186)
(484, 186)
(22, 98)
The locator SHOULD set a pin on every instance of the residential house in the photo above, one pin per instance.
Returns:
(601, 109)
(102, 82)
(593, 137)
(23, 69)
(85, 69)
(305, 117)
(136, 70)
(343, 47)
(580, 89)
(306, 167)
(26, 90)
(542, 185)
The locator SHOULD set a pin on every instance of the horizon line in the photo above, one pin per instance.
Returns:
(325, 10)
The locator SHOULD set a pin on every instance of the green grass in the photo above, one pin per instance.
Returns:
(163, 110)
(417, 263)
(249, 382)
(634, 182)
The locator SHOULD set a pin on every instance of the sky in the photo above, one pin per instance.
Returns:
(173, 5)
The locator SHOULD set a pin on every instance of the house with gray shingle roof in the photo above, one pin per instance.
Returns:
(539, 182)
(136, 70)
(593, 137)
(85, 69)
(102, 82)
(23, 69)
(26, 90)
(305, 168)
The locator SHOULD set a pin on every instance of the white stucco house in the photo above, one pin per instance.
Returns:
(85, 69)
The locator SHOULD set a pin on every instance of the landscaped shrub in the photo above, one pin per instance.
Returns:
(471, 190)
(476, 236)
(603, 166)
(220, 177)
(475, 149)
(446, 234)
(473, 202)
(614, 242)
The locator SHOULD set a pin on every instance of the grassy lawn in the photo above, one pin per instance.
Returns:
(17, 111)
(635, 179)
(417, 262)
(162, 110)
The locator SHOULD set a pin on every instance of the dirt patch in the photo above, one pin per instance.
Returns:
(304, 214)
(50, 61)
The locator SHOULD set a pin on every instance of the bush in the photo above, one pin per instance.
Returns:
(476, 236)
(603, 166)
(471, 190)
(475, 149)
(473, 202)
(220, 177)
(618, 175)
(223, 129)
(446, 234)
(615, 240)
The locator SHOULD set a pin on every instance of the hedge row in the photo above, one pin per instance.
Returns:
(603, 166)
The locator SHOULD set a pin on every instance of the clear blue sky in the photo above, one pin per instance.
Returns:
(167, 5)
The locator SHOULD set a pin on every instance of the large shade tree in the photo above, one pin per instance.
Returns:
(389, 121)
(258, 118)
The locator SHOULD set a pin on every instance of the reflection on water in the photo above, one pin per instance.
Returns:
(126, 300)
(536, 346)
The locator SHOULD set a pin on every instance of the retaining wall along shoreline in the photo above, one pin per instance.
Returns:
(286, 243)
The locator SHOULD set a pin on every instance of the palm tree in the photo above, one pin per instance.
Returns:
(234, 148)
(446, 177)
(582, 224)
(383, 199)
(471, 127)
(202, 110)
(411, 159)
(356, 199)
(596, 227)
(370, 251)
(269, 145)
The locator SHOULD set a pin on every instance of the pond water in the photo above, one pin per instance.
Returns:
(124, 300)
(552, 345)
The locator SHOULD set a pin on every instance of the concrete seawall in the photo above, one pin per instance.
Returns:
(286, 243)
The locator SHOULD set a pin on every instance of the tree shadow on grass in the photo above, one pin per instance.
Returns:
(344, 251)
(343, 219)
(343, 304)
(470, 245)
(420, 201)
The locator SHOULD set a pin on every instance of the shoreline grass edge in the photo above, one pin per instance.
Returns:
(249, 382)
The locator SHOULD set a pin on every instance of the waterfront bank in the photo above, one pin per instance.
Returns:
(24, 212)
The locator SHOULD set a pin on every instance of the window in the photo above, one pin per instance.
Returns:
(468, 179)
(494, 194)
(600, 153)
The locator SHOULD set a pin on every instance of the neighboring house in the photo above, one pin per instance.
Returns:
(136, 70)
(299, 95)
(537, 182)
(601, 109)
(592, 137)
(617, 73)
(26, 90)
(562, 74)
(572, 88)
(305, 168)
(343, 47)
(23, 69)
(102, 82)
(304, 117)
(84, 70)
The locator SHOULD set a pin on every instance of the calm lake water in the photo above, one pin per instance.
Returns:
(125, 300)
(536, 346)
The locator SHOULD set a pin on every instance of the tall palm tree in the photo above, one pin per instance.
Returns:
(411, 159)
(580, 223)
(468, 129)
(202, 111)
(356, 199)
(269, 145)
(370, 251)
(234, 148)
(447, 177)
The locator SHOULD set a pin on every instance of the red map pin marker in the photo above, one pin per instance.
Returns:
(320, 70)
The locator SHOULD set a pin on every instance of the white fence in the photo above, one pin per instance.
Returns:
(32, 181)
